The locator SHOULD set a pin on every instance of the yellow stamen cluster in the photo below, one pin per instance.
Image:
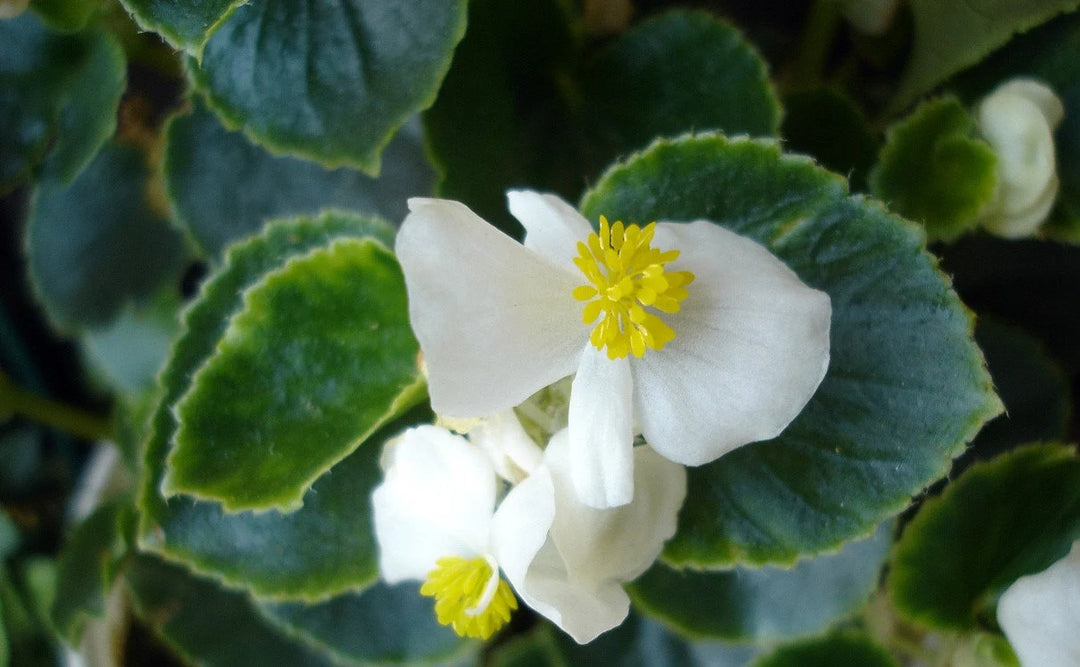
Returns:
(469, 596)
(627, 275)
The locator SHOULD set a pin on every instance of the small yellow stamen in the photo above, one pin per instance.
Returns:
(469, 595)
(627, 275)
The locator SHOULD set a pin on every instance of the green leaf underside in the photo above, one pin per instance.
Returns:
(209, 625)
(58, 97)
(951, 35)
(95, 245)
(554, 114)
(906, 386)
(328, 81)
(320, 355)
(184, 24)
(381, 624)
(85, 570)
(324, 548)
(223, 187)
(934, 169)
(767, 604)
(848, 649)
(1011, 516)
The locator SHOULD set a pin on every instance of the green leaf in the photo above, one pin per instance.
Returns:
(66, 15)
(86, 568)
(223, 187)
(96, 245)
(324, 548)
(951, 35)
(184, 24)
(384, 624)
(935, 170)
(59, 96)
(638, 641)
(128, 352)
(328, 81)
(906, 386)
(836, 650)
(533, 649)
(1002, 519)
(829, 126)
(269, 413)
(208, 625)
(766, 604)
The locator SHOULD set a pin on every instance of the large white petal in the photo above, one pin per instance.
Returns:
(553, 228)
(602, 430)
(576, 579)
(496, 322)
(437, 499)
(1040, 614)
(512, 451)
(751, 346)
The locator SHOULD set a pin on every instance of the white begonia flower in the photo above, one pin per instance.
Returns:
(1018, 120)
(695, 337)
(1040, 614)
(436, 521)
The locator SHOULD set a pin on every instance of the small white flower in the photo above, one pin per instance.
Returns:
(1018, 120)
(436, 521)
(1040, 614)
(695, 337)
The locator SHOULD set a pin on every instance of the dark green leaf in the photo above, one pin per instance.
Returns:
(329, 81)
(66, 15)
(1002, 519)
(129, 351)
(223, 187)
(761, 605)
(638, 642)
(830, 127)
(906, 386)
(382, 624)
(320, 355)
(837, 650)
(935, 170)
(208, 625)
(185, 24)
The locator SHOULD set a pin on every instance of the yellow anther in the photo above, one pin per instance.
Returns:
(469, 595)
(627, 274)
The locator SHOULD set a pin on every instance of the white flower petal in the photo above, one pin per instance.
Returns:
(1038, 92)
(436, 500)
(553, 228)
(576, 579)
(496, 322)
(751, 346)
(1040, 614)
(511, 450)
(602, 430)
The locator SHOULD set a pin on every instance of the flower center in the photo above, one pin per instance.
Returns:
(627, 276)
(469, 595)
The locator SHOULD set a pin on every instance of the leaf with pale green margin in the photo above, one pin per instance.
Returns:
(58, 98)
(86, 568)
(95, 245)
(951, 35)
(223, 187)
(851, 649)
(320, 355)
(383, 624)
(208, 625)
(673, 73)
(329, 81)
(1014, 515)
(525, 105)
(319, 551)
(829, 126)
(766, 604)
(184, 24)
(934, 169)
(127, 353)
(906, 387)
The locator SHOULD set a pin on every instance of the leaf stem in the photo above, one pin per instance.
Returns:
(46, 411)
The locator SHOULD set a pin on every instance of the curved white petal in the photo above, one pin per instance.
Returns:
(1038, 92)
(511, 450)
(1040, 614)
(496, 322)
(751, 346)
(553, 228)
(601, 430)
(576, 579)
(437, 499)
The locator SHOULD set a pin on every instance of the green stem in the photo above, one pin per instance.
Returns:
(817, 40)
(46, 411)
